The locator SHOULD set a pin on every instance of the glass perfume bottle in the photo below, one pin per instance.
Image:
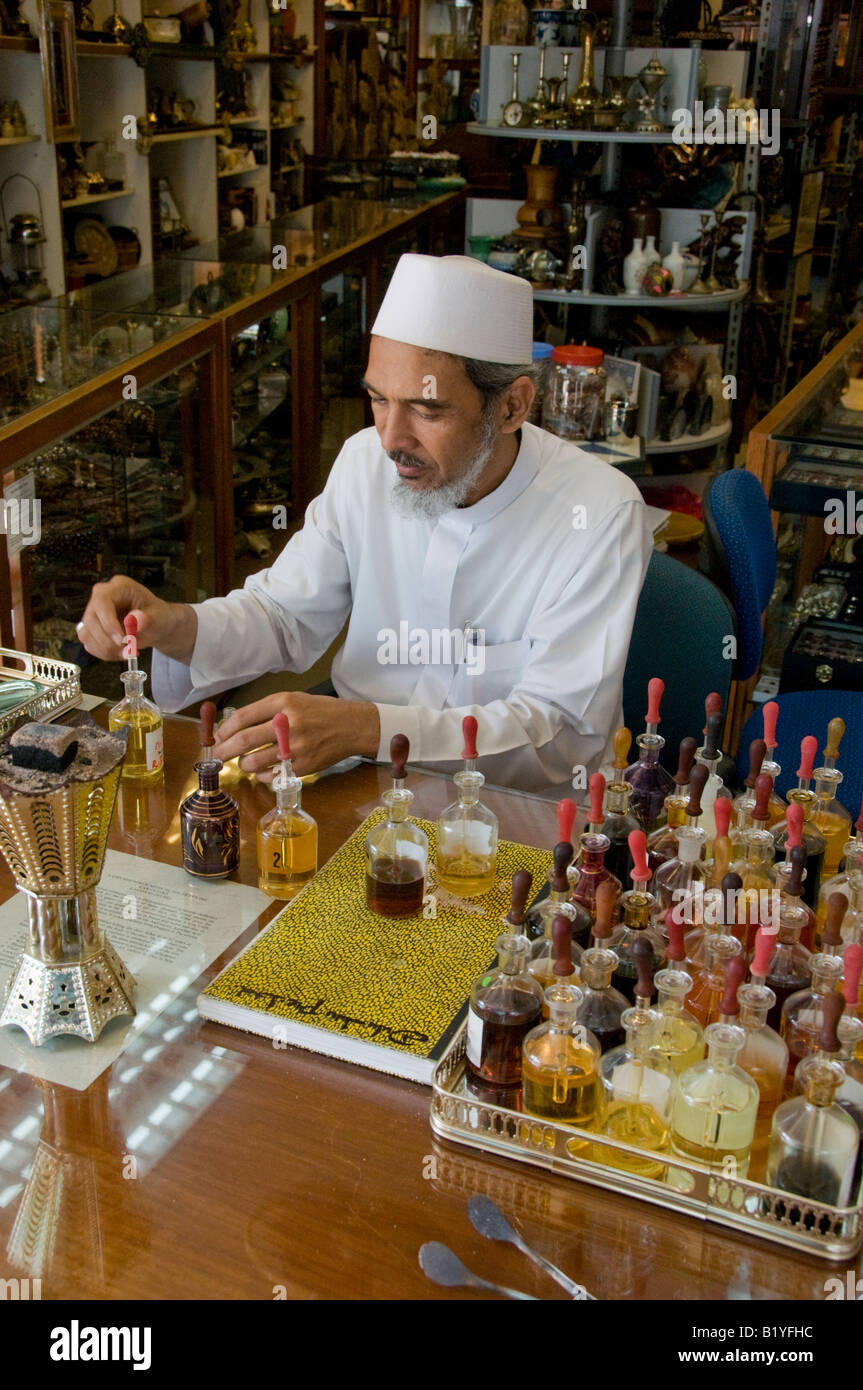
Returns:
(287, 835)
(649, 781)
(505, 1003)
(144, 760)
(723, 847)
(543, 953)
(770, 766)
(560, 1065)
(813, 841)
(743, 803)
(802, 1013)
(619, 821)
(710, 756)
(716, 1104)
(637, 910)
(842, 882)
(790, 880)
(591, 870)
(466, 857)
(708, 988)
(540, 915)
(662, 842)
(849, 1033)
(602, 1005)
(679, 1036)
(396, 849)
(789, 969)
(680, 882)
(764, 1055)
(209, 817)
(829, 814)
(720, 910)
(813, 1142)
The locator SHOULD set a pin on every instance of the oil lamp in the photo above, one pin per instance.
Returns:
(26, 239)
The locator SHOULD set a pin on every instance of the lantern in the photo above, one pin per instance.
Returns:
(26, 239)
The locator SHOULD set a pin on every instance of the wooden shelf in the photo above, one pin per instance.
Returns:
(167, 135)
(602, 137)
(287, 125)
(89, 48)
(21, 140)
(15, 43)
(234, 173)
(296, 60)
(186, 52)
(244, 120)
(454, 64)
(89, 198)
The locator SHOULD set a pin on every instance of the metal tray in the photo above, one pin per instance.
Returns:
(60, 683)
(833, 1233)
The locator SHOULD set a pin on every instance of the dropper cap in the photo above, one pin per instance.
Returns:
(622, 743)
(697, 783)
(282, 730)
(763, 789)
(655, 692)
(399, 750)
(469, 730)
(566, 812)
(606, 901)
(770, 713)
(686, 757)
(794, 821)
(712, 737)
(831, 939)
(596, 787)
(642, 955)
(732, 885)
(207, 721)
(674, 929)
(757, 754)
(735, 970)
(835, 731)
(794, 882)
(130, 647)
(561, 944)
(640, 875)
(853, 962)
(765, 943)
(808, 750)
(522, 882)
(561, 860)
(832, 1007)
(722, 816)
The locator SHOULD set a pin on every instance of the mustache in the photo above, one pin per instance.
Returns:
(405, 459)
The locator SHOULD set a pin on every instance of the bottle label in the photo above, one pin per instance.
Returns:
(155, 755)
(474, 1037)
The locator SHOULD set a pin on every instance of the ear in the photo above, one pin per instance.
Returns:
(516, 404)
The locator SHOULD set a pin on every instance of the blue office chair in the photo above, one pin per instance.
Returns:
(742, 553)
(681, 623)
(803, 712)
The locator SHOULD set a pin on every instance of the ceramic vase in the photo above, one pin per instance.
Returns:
(634, 266)
(677, 265)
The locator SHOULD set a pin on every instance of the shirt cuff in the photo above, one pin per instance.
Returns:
(399, 719)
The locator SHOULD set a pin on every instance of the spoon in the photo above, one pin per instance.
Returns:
(443, 1266)
(488, 1219)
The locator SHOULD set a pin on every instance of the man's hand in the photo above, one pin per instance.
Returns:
(170, 627)
(323, 731)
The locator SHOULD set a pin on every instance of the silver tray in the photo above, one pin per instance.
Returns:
(833, 1233)
(60, 683)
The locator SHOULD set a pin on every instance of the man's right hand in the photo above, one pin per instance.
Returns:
(169, 627)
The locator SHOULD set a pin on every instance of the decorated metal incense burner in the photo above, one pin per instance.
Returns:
(53, 835)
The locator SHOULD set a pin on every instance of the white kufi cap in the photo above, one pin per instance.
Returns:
(460, 305)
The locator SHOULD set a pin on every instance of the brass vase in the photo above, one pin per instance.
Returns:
(586, 101)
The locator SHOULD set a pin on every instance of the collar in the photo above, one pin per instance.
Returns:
(517, 480)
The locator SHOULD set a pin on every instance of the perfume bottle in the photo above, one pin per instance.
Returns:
(789, 969)
(708, 988)
(619, 821)
(813, 1142)
(560, 1065)
(830, 815)
(802, 1013)
(591, 871)
(721, 909)
(662, 842)
(813, 841)
(716, 1105)
(842, 882)
(637, 910)
(209, 817)
(650, 783)
(467, 831)
(710, 756)
(790, 878)
(505, 1003)
(679, 1036)
(602, 1006)
(540, 915)
(849, 1032)
(144, 760)
(396, 849)
(723, 846)
(554, 908)
(287, 835)
(680, 882)
(770, 766)
(743, 803)
(764, 1055)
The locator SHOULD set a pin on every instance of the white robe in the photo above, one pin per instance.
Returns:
(551, 589)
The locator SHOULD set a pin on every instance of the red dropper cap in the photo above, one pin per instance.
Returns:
(596, 787)
(734, 973)
(771, 714)
(522, 882)
(757, 754)
(687, 751)
(764, 945)
(130, 626)
(676, 949)
(712, 705)
(565, 818)
(808, 752)
(561, 944)
(208, 719)
(794, 821)
(853, 962)
(763, 788)
(606, 899)
(697, 783)
(832, 1009)
(642, 954)
(399, 749)
(722, 814)
(469, 728)
(638, 849)
(282, 728)
(837, 904)
(655, 691)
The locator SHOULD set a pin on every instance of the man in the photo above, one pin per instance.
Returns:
(486, 567)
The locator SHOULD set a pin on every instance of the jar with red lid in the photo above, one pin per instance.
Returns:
(574, 406)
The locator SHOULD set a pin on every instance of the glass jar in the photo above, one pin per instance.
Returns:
(574, 406)
(541, 360)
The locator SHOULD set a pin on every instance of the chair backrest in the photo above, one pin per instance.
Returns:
(803, 712)
(740, 532)
(681, 623)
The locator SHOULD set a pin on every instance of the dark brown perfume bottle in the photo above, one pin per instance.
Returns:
(209, 817)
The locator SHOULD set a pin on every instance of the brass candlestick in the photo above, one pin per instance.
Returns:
(699, 287)
(586, 99)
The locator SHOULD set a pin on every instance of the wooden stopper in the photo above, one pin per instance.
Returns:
(797, 859)
(853, 962)
(757, 754)
(771, 714)
(832, 1009)
(697, 783)
(794, 821)
(522, 882)
(208, 719)
(722, 814)
(734, 973)
(686, 757)
(676, 949)
(621, 744)
(764, 944)
(655, 691)
(763, 788)
(808, 749)
(399, 749)
(606, 901)
(837, 904)
(642, 954)
(596, 787)
(637, 841)
(282, 727)
(713, 734)
(468, 728)
(835, 730)
(565, 818)
(561, 943)
(562, 860)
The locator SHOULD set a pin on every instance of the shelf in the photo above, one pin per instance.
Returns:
(186, 52)
(167, 135)
(21, 140)
(89, 198)
(17, 43)
(296, 60)
(91, 48)
(774, 230)
(606, 137)
(244, 120)
(287, 125)
(703, 303)
(687, 442)
(454, 64)
(233, 173)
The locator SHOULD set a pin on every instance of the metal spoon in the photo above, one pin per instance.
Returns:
(443, 1266)
(488, 1219)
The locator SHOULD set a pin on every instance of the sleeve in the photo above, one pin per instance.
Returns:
(283, 619)
(561, 713)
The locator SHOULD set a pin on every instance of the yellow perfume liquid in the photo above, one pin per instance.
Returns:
(465, 874)
(836, 830)
(679, 1042)
(287, 853)
(634, 1122)
(565, 1086)
(144, 759)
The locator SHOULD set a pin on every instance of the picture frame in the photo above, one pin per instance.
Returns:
(59, 70)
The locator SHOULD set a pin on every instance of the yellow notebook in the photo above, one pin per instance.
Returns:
(384, 992)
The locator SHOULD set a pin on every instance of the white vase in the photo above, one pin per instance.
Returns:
(677, 265)
(650, 251)
(634, 266)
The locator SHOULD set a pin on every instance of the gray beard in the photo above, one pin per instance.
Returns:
(430, 503)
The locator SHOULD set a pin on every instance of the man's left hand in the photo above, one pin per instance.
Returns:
(323, 731)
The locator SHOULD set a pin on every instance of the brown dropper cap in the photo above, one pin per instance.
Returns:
(562, 859)
(686, 757)
(837, 904)
(731, 885)
(606, 901)
(561, 943)
(735, 970)
(832, 1008)
(522, 882)
(399, 749)
(835, 730)
(713, 735)
(208, 720)
(697, 783)
(757, 754)
(642, 954)
(763, 788)
(797, 857)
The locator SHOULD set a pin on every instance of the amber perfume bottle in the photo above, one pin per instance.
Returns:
(764, 1055)
(662, 842)
(708, 986)
(144, 760)
(852, 872)
(396, 849)
(789, 969)
(636, 908)
(830, 815)
(619, 819)
(813, 841)
(209, 817)
(679, 1037)
(505, 1003)
(287, 835)
(466, 857)
(560, 1065)
(803, 1012)
(591, 871)
(649, 781)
